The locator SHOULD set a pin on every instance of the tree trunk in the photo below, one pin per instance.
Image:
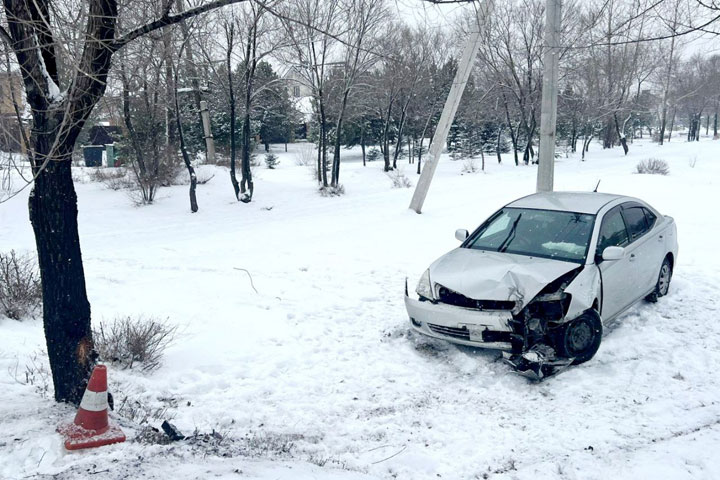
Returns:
(621, 135)
(335, 174)
(66, 310)
(362, 144)
(233, 115)
(497, 144)
(586, 146)
(246, 183)
(513, 133)
(183, 149)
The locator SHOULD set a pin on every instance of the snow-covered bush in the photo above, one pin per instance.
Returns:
(653, 166)
(331, 191)
(305, 156)
(20, 289)
(469, 165)
(398, 179)
(112, 178)
(128, 341)
(271, 160)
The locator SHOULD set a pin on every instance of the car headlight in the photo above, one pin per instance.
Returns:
(424, 287)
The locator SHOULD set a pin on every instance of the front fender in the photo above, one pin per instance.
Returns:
(585, 289)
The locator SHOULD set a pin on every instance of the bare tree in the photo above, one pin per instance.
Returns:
(59, 110)
(361, 19)
(312, 27)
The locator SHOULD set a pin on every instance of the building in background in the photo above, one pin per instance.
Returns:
(11, 96)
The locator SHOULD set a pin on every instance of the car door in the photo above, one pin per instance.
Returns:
(617, 275)
(646, 246)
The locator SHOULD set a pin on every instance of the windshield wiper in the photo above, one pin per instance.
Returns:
(511, 235)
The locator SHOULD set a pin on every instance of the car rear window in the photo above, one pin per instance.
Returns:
(635, 220)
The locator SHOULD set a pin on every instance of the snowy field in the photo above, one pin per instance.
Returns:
(317, 376)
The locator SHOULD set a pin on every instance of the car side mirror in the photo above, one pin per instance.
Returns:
(461, 234)
(613, 253)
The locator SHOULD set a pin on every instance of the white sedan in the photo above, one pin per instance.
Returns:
(541, 276)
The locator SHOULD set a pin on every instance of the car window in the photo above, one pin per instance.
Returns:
(650, 218)
(538, 233)
(612, 232)
(500, 224)
(636, 223)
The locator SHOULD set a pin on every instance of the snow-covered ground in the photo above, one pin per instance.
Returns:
(317, 375)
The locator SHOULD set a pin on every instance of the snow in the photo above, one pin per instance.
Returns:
(317, 376)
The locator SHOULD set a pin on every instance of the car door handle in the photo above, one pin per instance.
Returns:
(632, 257)
(660, 237)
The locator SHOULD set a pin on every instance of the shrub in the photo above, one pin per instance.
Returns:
(653, 166)
(305, 156)
(112, 178)
(331, 191)
(128, 341)
(398, 179)
(469, 165)
(271, 160)
(373, 154)
(20, 289)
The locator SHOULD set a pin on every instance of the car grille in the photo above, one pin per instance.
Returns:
(461, 333)
(445, 295)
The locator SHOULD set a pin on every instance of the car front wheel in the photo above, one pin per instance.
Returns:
(580, 338)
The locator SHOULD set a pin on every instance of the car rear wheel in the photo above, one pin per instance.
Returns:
(663, 282)
(580, 338)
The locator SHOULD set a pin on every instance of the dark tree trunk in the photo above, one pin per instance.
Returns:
(66, 310)
(362, 144)
(323, 146)
(233, 115)
(497, 144)
(246, 182)
(183, 149)
(335, 174)
(513, 133)
(586, 146)
(621, 135)
(386, 139)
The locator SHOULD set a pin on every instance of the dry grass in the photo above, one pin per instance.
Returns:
(20, 289)
(398, 179)
(129, 341)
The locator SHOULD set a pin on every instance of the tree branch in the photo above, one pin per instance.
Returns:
(6, 36)
(168, 19)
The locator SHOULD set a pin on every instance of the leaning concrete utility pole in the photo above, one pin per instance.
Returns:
(451, 105)
(209, 140)
(548, 113)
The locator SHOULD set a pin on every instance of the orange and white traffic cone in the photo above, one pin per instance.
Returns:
(91, 427)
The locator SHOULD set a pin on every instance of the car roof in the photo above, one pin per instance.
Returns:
(580, 202)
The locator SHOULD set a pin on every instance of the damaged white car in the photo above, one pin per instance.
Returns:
(541, 276)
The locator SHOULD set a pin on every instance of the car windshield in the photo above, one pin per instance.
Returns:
(537, 233)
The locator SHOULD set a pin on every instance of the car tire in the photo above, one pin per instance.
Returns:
(663, 282)
(580, 338)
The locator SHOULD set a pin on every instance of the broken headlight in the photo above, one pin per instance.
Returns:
(552, 306)
(424, 286)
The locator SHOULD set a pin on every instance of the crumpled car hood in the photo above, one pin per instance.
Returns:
(482, 275)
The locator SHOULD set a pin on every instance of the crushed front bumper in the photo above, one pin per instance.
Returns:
(465, 326)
